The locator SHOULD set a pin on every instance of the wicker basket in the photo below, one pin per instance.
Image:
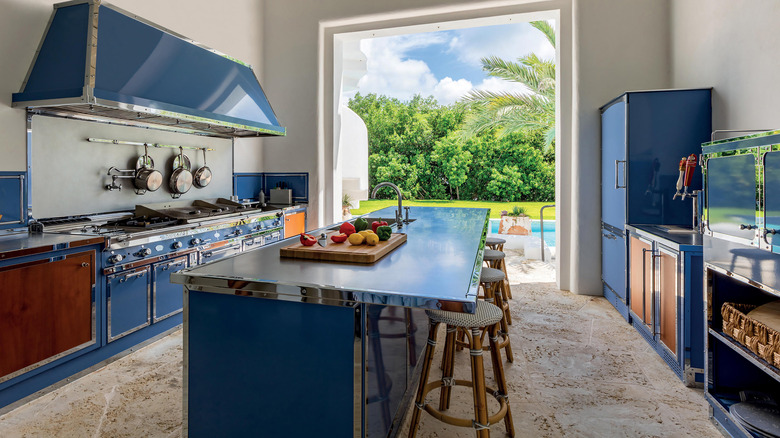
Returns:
(757, 337)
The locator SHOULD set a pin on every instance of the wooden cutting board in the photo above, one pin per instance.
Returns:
(343, 252)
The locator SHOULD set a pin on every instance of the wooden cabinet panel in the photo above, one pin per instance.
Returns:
(641, 273)
(46, 308)
(294, 224)
(667, 289)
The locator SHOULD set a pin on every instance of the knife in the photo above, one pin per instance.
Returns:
(323, 240)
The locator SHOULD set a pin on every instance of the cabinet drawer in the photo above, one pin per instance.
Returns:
(128, 302)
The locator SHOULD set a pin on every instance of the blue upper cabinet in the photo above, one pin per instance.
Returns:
(644, 136)
(613, 165)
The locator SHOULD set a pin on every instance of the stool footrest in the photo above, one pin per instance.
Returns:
(463, 422)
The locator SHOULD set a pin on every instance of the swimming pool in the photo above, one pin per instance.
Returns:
(549, 230)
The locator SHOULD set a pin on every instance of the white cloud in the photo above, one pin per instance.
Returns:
(498, 85)
(390, 72)
(505, 41)
(448, 91)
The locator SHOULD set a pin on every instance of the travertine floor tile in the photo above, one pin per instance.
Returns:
(579, 371)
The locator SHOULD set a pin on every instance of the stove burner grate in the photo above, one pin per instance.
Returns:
(146, 222)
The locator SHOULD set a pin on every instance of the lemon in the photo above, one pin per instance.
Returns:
(356, 238)
(372, 239)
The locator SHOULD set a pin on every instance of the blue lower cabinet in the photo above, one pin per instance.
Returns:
(167, 297)
(613, 272)
(666, 302)
(127, 297)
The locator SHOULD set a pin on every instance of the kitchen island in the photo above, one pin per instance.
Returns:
(326, 348)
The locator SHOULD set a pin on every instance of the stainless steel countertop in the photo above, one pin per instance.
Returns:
(438, 267)
(678, 241)
(20, 244)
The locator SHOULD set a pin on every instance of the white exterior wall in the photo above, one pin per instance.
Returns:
(353, 154)
(731, 46)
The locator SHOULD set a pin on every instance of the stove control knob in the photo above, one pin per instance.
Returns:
(116, 258)
(237, 232)
(176, 245)
(144, 252)
(195, 241)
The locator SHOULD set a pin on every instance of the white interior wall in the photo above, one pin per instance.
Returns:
(233, 28)
(618, 46)
(731, 46)
(606, 46)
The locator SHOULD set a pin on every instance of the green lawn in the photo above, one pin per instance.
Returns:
(531, 208)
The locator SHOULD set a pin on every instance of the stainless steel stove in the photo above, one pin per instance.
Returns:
(152, 232)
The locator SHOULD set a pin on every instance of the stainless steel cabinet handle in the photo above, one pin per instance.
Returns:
(609, 236)
(207, 254)
(617, 179)
(169, 265)
(129, 276)
(249, 242)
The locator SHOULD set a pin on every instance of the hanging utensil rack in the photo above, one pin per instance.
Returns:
(139, 143)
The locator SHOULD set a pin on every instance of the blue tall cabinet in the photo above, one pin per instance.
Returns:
(643, 136)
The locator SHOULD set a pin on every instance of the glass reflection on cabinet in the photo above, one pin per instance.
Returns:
(731, 195)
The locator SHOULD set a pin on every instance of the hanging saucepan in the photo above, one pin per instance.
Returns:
(146, 178)
(203, 175)
(181, 179)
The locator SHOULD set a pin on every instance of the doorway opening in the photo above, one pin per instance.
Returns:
(379, 74)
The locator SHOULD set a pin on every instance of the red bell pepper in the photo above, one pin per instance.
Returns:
(307, 239)
(347, 228)
(377, 224)
(339, 238)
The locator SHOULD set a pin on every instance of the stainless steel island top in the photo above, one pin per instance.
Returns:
(438, 267)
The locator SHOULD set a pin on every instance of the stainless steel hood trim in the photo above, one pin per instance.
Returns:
(53, 111)
(217, 128)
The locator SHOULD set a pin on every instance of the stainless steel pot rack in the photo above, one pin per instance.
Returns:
(139, 143)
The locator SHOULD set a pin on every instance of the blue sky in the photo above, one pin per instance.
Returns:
(445, 64)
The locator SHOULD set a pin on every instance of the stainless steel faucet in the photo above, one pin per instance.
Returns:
(398, 217)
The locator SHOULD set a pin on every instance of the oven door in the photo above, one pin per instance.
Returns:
(210, 255)
(128, 301)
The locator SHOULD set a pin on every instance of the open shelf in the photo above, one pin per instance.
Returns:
(720, 406)
(746, 353)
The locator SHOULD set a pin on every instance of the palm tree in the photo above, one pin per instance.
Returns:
(511, 112)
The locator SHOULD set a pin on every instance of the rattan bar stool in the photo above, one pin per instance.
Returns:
(495, 259)
(495, 243)
(484, 319)
(490, 280)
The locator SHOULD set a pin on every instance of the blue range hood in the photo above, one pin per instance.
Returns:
(97, 61)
